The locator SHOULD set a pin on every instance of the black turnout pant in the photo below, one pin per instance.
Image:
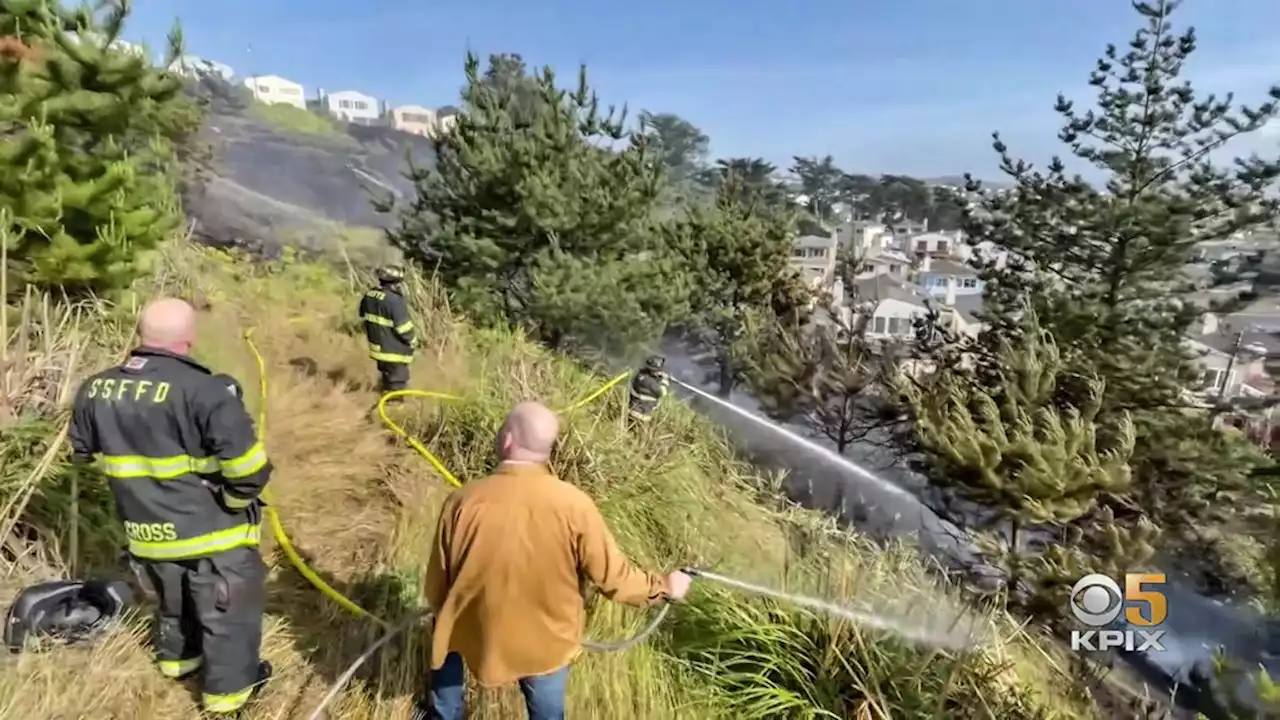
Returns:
(393, 376)
(209, 617)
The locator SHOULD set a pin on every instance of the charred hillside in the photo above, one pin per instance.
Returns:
(272, 186)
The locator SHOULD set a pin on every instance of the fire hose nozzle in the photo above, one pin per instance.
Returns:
(695, 572)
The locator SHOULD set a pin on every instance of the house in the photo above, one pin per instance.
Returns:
(894, 305)
(351, 106)
(413, 119)
(932, 243)
(815, 257)
(275, 90)
(884, 262)
(938, 277)
(191, 65)
(1235, 351)
(864, 236)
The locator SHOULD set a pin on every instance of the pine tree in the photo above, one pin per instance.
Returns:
(825, 376)
(1103, 268)
(92, 149)
(1013, 446)
(532, 219)
(740, 249)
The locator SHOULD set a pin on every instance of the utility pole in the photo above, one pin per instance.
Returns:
(1231, 362)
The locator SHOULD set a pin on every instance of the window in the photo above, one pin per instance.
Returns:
(360, 105)
(895, 269)
(942, 246)
(265, 89)
(345, 104)
(969, 282)
(290, 91)
(922, 246)
(896, 326)
(417, 118)
(867, 267)
(1211, 379)
(879, 325)
(797, 252)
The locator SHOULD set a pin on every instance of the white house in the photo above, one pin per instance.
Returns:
(276, 90)
(352, 107)
(932, 243)
(895, 305)
(815, 257)
(190, 65)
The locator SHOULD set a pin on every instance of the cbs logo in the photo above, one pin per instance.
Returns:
(1097, 601)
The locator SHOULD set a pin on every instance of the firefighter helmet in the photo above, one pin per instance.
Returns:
(67, 610)
(390, 274)
(655, 362)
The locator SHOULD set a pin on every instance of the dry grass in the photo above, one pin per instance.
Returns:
(362, 509)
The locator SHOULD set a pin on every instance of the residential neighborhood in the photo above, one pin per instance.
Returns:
(350, 106)
(905, 269)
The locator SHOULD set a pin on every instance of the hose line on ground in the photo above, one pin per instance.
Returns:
(282, 537)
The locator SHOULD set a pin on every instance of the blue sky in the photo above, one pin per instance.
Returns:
(906, 86)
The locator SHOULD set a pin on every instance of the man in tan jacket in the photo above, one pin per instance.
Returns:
(503, 578)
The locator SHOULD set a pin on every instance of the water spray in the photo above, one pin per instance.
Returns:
(954, 636)
(826, 453)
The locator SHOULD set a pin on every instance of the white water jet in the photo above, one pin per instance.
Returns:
(825, 452)
(958, 634)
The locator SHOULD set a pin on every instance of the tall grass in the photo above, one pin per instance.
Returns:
(362, 509)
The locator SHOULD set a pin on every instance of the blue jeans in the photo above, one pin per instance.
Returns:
(543, 694)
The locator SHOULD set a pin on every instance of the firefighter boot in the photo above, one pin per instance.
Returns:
(265, 671)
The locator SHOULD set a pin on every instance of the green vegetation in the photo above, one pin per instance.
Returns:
(290, 119)
(92, 149)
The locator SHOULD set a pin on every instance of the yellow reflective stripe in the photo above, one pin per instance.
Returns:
(375, 352)
(177, 668)
(245, 465)
(239, 536)
(405, 327)
(378, 320)
(230, 702)
(639, 415)
(137, 466)
(643, 396)
(233, 502)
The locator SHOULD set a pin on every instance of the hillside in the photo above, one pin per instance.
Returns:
(275, 185)
(362, 508)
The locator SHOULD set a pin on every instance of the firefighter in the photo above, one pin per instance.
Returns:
(186, 470)
(389, 328)
(648, 387)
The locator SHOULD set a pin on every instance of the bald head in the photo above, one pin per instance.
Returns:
(168, 324)
(529, 433)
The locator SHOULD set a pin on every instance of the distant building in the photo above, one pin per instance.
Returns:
(351, 106)
(413, 119)
(943, 277)
(275, 90)
(932, 243)
(191, 65)
(893, 306)
(420, 120)
(815, 257)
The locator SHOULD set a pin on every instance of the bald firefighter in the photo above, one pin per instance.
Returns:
(648, 387)
(389, 328)
(186, 469)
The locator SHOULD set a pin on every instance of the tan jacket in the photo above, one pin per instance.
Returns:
(504, 575)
